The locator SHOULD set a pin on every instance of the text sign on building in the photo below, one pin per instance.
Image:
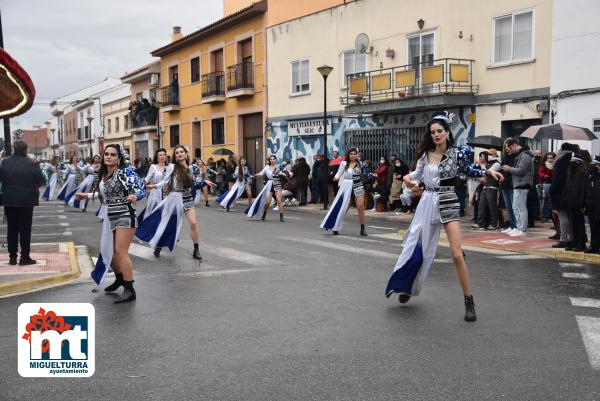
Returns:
(308, 127)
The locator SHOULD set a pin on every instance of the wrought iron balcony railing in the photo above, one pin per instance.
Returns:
(240, 76)
(213, 84)
(169, 96)
(436, 77)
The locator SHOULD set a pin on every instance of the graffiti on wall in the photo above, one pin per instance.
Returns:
(285, 146)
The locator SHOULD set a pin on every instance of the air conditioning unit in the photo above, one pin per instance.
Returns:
(543, 106)
(153, 80)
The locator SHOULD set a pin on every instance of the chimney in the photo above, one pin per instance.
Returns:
(176, 35)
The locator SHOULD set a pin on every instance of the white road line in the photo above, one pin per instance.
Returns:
(522, 256)
(585, 302)
(67, 233)
(240, 256)
(213, 273)
(589, 327)
(577, 275)
(441, 260)
(140, 251)
(565, 264)
(383, 228)
(346, 248)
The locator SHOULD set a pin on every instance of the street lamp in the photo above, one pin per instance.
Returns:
(325, 70)
(90, 119)
(52, 130)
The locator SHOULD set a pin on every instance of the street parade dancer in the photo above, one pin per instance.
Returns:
(272, 186)
(50, 192)
(73, 175)
(204, 186)
(351, 172)
(87, 183)
(439, 165)
(161, 228)
(119, 187)
(155, 175)
(243, 183)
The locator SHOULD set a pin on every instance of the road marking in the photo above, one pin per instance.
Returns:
(589, 327)
(346, 248)
(585, 302)
(522, 256)
(383, 228)
(441, 260)
(576, 275)
(240, 256)
(140, 251)
(293, 217)
(393, 237)
(565, 264)
(213, 273)
(502, 241)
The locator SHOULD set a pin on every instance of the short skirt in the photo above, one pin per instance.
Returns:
(188, 199)
(122, 216)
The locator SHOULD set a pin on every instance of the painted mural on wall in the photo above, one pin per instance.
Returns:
(290, 146)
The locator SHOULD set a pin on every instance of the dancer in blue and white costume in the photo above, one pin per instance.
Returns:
(203, 189)
(73, 175)
(273, 186)
(161, 228)
(50, 193)
(350, 174)
(439, 165)
(119, 187)
(155, 175)
(243, 183)
(86, 184)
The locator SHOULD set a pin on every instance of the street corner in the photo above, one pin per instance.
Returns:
(57, 264)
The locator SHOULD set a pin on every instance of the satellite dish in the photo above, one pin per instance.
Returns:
(361, 44)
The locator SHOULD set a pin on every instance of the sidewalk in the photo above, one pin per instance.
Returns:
(536, 242)
(58, 264)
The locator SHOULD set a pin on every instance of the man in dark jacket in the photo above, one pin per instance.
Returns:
(21, 179)
(592, 205)
(559, 178)
(323, 177)
(314, 181)
(522, 176)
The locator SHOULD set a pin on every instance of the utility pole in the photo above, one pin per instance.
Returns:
(7, 143)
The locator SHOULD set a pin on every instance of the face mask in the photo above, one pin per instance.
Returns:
(549, 165)
(382, 161)
(398, 164)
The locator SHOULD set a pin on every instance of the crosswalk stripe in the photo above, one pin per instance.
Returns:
(589, 327)
(239, 256)
(585, 302)
(345, 248)
(213, 273)
(565, 264)
(522, 256)
(576, 275)
(383, 228)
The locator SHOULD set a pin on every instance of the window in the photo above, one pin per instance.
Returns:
(126, 121)
(139, 96)
(116, 124)
(513, 37)
(108, 125)
(174, 135)
(352, 62)
(195, 69)
(218, 131)
(300, 76)
(596, 125)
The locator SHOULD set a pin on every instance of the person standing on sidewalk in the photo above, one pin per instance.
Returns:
(559, 180)
(21, 179)
(522, 175)
(314, 180)
(506, 189)
(488, 203)
(592, 205)
(575, 199)
(323, 178)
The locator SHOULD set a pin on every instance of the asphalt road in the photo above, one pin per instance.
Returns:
(289, 312)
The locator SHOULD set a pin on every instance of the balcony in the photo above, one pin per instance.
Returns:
(446, 82)
(240, 80)
(213, 87)
(169, 98)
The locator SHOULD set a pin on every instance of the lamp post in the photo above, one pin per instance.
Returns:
(325, 70)
(90, 119)
(52, 130)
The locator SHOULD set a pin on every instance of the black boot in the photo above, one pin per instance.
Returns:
(362, 230)
(281, 217)
(336, 232)
(227, 208)
(128, 293)
(207, 205)
(25, 261)
(115, 286)
(264, 215)
(196, 253)
(12, 260)
(470, 309)
(403, 298)
(157, 251)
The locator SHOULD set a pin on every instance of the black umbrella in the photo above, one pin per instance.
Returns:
(558, 131)
(487, 141)
(222, 152)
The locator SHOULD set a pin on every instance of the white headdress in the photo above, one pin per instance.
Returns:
(447, 117)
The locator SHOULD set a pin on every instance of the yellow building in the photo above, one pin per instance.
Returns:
(213, 89)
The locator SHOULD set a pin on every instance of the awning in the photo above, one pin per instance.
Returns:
(16, 88)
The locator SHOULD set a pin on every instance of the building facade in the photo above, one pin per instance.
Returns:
(143, 110)
(116, 123)
(575, 86)
(70, 142)
(213, 93)
(492, 74)
(37, 141)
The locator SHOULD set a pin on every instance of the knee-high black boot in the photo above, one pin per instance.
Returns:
(196, 253)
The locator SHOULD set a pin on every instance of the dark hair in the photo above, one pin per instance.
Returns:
(485, 155)
(180, 172)
(269, 160)
(71, 158)
(103, 169)
(240, 176)
(569, 147)
(545, 157)
(156, 152)
(427, 144)
(20, 147)
(577, 168)
(347, 155)
(510, 142)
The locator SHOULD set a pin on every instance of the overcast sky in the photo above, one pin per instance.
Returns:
(66, 45)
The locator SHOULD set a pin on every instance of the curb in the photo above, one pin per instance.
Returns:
(548, 252)
(29, 285)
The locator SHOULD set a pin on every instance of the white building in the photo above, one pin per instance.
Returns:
(575, 82)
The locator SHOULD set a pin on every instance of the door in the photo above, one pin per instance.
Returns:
(252, 129)
(420, 54)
